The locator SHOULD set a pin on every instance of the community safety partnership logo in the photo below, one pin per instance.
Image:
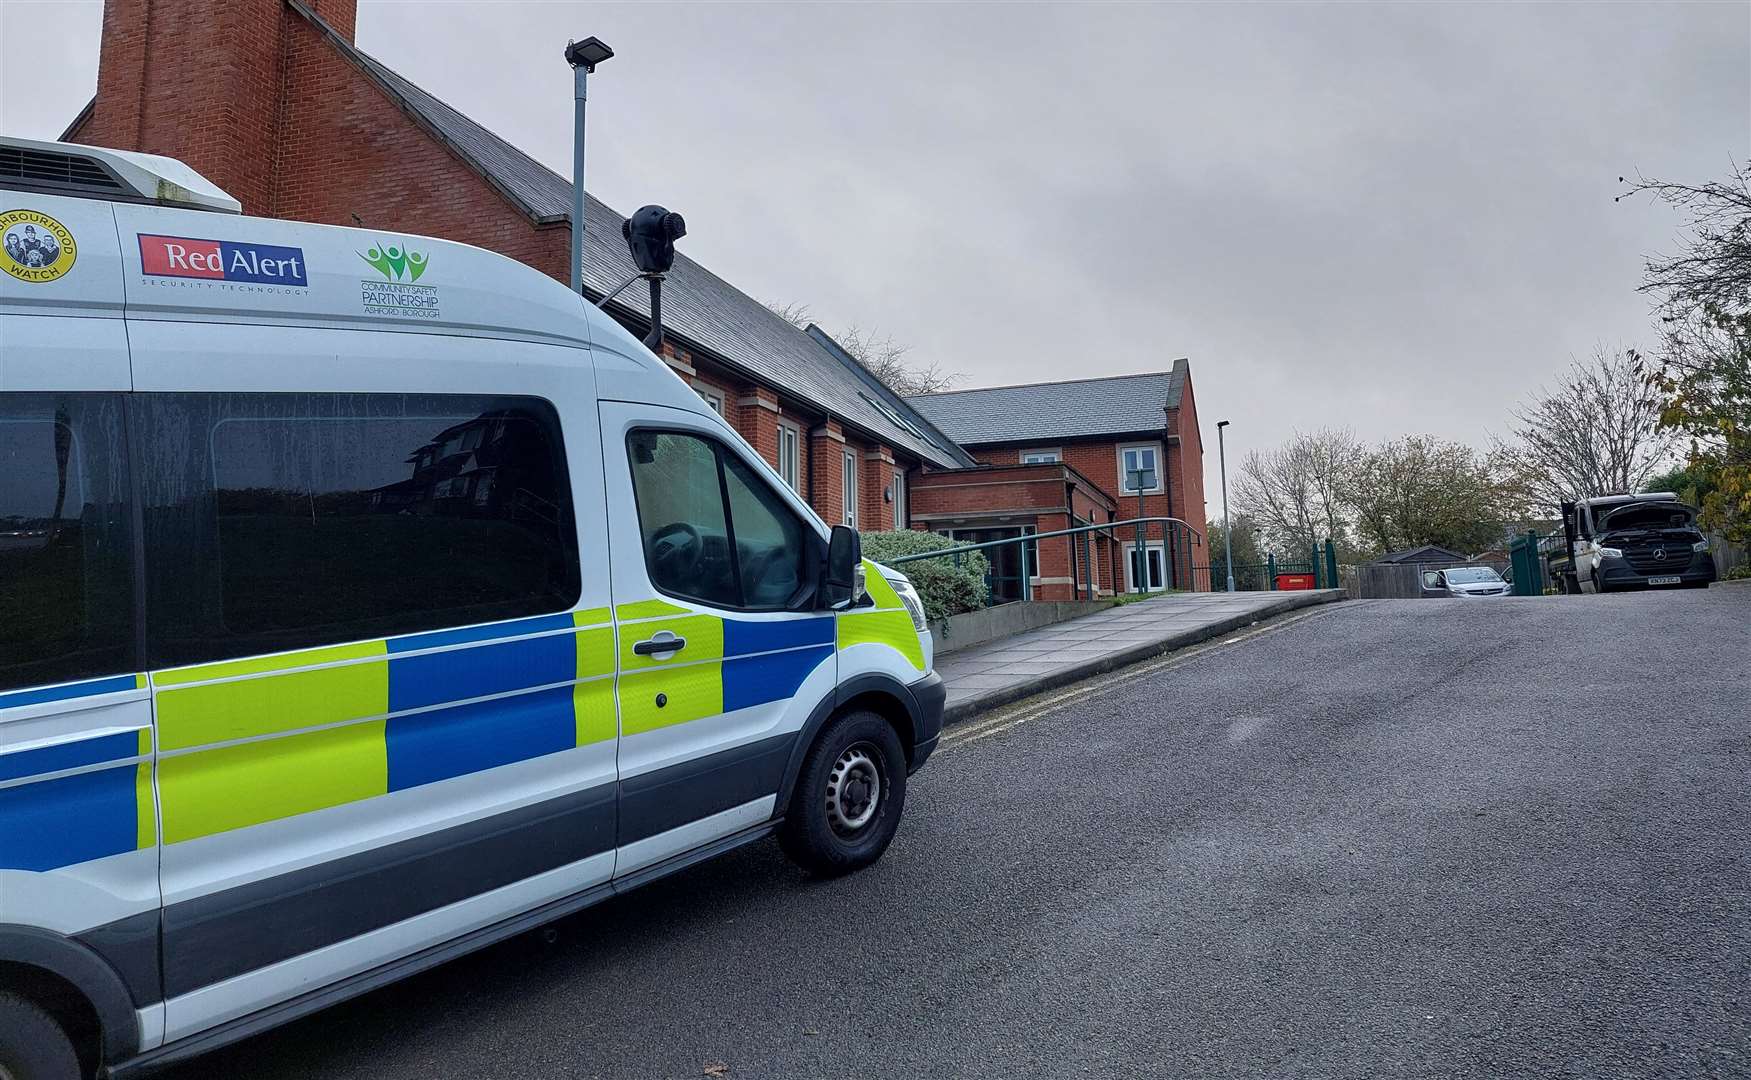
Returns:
(396, 295)
(224, 263)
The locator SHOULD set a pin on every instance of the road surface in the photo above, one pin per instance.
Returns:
(1387, 838)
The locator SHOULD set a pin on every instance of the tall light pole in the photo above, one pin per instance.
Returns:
(1227, 533)
(583, 56)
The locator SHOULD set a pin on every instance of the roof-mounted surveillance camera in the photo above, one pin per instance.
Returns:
(650, 234)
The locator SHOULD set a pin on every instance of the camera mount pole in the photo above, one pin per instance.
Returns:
(654, 340)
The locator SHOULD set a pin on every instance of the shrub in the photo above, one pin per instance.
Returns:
(945, 588)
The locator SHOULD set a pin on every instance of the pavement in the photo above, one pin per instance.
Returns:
(1009, 669)
(1409, 838)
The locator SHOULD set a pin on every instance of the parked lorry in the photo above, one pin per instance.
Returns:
(1619, 542)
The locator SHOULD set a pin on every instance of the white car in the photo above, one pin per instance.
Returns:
(1465, 581)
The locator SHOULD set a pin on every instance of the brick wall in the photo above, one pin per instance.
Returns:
(1182, 484)
(1186, 463)
(1012, 496)
(197, 80)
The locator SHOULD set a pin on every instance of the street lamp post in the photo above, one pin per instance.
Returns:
(583, 56)
(1227, 533)
(1141, 480)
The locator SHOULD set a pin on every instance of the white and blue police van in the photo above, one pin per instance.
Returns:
(366, 599)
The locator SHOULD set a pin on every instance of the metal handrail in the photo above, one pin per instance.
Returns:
(1136, 523)
(1029, 538)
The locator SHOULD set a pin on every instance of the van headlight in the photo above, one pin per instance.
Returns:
(1700, 545)
(914, 606)
(1610, 553)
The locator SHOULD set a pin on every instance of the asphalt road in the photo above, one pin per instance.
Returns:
(1391, 838)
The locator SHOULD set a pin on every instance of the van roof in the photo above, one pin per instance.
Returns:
(1615, 500)
(97, 172)
(147, 260)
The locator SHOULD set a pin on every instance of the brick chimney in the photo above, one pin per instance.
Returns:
(202, 81)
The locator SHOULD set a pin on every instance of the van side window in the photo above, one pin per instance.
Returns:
(66, 540)
(769, 539)
(714, 531)
(283, 521)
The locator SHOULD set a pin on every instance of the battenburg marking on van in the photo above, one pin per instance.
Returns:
(222, 260)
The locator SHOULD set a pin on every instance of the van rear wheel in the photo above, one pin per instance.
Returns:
(848, 797)
(32, 1045)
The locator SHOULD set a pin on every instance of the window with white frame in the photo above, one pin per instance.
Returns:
(1040, 457)
(900, 515)
(712, 398)
(849, 477)
(790, 456)
(1140, 468)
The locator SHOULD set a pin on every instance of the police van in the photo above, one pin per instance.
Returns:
(366, 599)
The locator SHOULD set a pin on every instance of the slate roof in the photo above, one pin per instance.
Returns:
(698, 306)
(1042, 413)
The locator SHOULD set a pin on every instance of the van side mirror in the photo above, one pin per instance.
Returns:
(1431, 579)
(841, 579)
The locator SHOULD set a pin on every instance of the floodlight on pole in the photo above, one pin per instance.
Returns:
(583, 56)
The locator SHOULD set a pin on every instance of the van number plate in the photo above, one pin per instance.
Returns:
(1663, 581)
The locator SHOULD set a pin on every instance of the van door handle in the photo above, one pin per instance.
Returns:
(657, 645)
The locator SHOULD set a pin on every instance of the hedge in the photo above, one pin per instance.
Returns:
(945, 588)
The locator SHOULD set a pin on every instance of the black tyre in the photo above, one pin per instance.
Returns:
(848, 796)
(32, 1045)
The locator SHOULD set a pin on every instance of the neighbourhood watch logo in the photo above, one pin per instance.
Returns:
(397, 295)
(35, 247)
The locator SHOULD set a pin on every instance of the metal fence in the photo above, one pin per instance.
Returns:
(1084, 559)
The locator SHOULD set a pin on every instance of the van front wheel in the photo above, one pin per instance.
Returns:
(32, 1045)
(848, 797)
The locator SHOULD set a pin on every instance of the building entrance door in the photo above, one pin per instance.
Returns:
(1008, 574)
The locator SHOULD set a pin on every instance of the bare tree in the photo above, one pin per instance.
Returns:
(1332, 456)
(1714, 267)
(795, 313)
(1293, 492)
(1597, 433)
(879, 354)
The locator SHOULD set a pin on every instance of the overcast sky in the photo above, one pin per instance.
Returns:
(1388, 217)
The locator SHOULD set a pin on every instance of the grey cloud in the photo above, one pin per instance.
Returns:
(1393, 217)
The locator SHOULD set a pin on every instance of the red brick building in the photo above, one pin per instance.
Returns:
(1120, 447)
(293, 119)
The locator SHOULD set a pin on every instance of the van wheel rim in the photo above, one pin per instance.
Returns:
(854, 789)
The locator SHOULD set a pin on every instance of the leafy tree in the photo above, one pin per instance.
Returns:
(1247, 554)
(1708, 400)
(1419, 489)
(1683, 481)
(1704, 375)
